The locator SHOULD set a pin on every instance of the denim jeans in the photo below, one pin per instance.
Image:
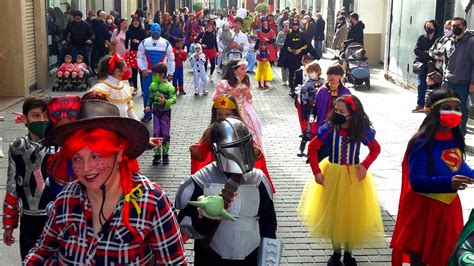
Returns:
(463, 91)
(318, 46)
(422, 87)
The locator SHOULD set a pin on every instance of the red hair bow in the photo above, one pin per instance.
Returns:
(114, 59)
(351, 102)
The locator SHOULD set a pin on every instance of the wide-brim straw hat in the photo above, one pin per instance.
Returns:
(105, 115)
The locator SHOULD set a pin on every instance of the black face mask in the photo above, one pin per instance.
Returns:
(457, 31)
(429, 31)
(338, 119)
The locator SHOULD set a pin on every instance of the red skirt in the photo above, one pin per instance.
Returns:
(426, 227)
(210, 53)
(131, 59)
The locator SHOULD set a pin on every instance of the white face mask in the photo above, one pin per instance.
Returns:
(109, 21)
(448, 32)
(313, 76)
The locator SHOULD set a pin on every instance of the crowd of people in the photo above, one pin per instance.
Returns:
(74, 185)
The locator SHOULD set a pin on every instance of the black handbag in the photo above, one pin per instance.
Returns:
(418, 67)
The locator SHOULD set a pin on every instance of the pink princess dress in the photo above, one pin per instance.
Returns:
(243, 95)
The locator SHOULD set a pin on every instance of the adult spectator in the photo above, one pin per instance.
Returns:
(319, 29)
(109, 21)
(307, 29)
(116, 16)
(240, 41)
(342, 29)
(102, 34)
(423, 45)
(459, 70)
(80, 35)
(90, 15)
(102, 14)
(356, 31)
(166, 24)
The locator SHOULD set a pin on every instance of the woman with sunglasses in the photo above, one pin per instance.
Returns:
(430, 218)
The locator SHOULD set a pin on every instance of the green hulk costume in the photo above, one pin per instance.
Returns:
(463, 254)
(161, 115)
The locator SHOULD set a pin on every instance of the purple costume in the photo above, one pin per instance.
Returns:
(325, 101)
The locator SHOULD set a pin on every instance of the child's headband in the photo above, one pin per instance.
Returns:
(224, 102)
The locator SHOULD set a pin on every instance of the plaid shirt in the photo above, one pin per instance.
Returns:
(68, 237)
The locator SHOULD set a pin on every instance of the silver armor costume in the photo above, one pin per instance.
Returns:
(25, 180)
(232, 240)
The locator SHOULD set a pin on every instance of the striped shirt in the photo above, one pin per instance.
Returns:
(68, 237)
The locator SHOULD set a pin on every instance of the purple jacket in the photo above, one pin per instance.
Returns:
(323, 102)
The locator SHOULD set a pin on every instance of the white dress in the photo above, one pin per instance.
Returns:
(118, 93)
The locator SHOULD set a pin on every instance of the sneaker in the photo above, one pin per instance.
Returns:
(418, 109)
(285, 83)
(205, 92)
(196, 94)
(211, 79)
(166, 159)
(157, 159)
(182, 93)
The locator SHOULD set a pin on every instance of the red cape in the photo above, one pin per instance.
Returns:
(424, 225)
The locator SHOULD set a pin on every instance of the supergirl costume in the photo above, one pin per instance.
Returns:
(429, 218)
(344, 209)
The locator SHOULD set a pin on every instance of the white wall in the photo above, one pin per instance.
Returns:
(371, 12)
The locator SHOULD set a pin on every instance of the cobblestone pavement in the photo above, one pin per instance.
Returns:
(388, 107)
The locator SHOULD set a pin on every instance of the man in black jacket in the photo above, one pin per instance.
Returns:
(356, 31)
(80, 34)
(319, 28)
(102, 34)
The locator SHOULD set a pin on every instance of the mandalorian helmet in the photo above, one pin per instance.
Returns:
(233, 146)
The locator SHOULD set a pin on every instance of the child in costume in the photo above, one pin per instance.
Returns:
(201, 151)
(305, 101)
(162, 96)
(245, 191)
(27, 192)
(251, 55)
(198, 61)
(429, 219)
(301, 76)
(341, 202)
(264, 69)
(325, 99)
(180, 56)
(463, 254)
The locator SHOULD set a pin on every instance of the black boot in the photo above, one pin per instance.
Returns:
(166, 159)
(156, 159)
(335, 260)
(349, 260)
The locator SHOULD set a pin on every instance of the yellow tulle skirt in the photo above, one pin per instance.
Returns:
(264, 71)
(345, 209)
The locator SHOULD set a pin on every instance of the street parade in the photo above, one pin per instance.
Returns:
(239, 134)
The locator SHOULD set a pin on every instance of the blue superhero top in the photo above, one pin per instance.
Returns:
(152, 51)
(431, 167)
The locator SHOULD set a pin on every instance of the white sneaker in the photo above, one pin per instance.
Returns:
(210, 78)
(205, 92)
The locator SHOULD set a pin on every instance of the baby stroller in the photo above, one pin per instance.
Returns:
(231, 55)
(357, 65)
(74, 84)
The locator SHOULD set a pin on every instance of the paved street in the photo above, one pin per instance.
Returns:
(388, 106)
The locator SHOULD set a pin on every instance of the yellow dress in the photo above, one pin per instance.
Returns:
(264, 71)
(345, 209)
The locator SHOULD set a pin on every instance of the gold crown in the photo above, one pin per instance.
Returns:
(222, 102)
